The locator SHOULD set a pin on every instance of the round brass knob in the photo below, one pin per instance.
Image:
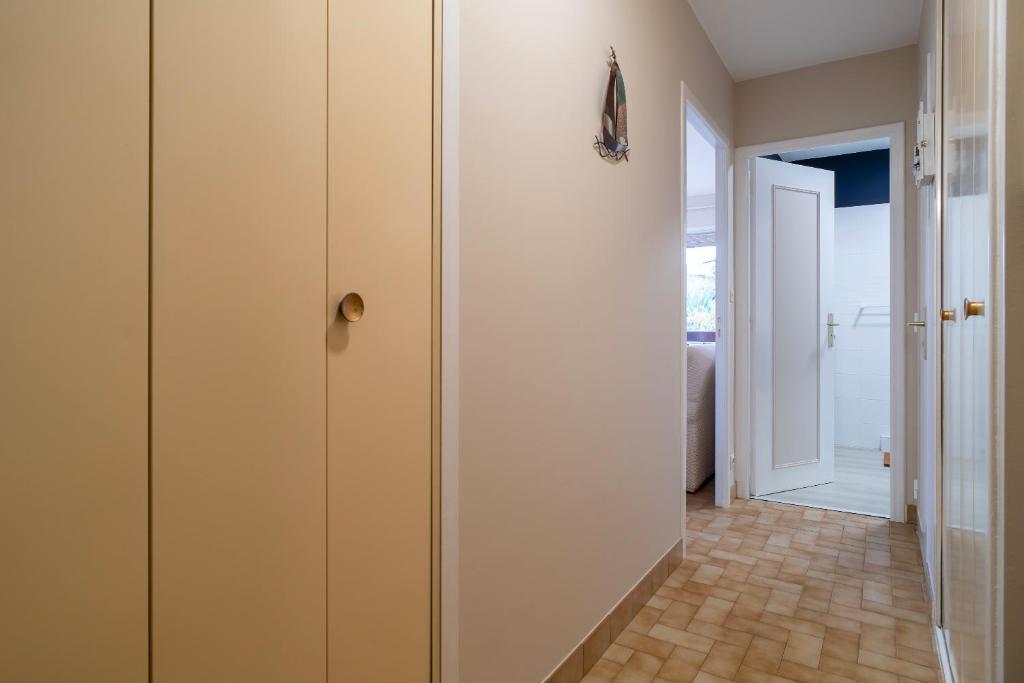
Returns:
(948, 314)
(351, 307)
(972, 308)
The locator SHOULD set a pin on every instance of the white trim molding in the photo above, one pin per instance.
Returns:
(724, 288)
(449, 585)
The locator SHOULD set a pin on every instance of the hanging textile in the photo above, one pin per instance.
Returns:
(613, 141)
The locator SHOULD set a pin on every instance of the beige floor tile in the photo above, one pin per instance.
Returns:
(803, 674)
(782, 602)
(678, 614)
(878, 639)
(705, 677)
(618, 653)
(772, 593)
(644, 620)
(862, 674)
(707, 574)
(898, 666)
(693, 641)
(764, 655)
(604, 671)
(658, 602)
(917, 636)
(720, 633)
(926, 659)
(645, 644)
(641, 668)
(803, 649)
(756, 627)
(683, 666)
(840, 644)
(714, 610)
(724, 660)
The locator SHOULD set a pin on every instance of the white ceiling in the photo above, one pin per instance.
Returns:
(836, 150)
(761, 37)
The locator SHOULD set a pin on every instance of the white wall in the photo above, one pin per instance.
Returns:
(570, 472)
(862, 310)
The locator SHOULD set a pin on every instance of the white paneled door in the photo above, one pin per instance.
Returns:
(794, 343)
(968, 570)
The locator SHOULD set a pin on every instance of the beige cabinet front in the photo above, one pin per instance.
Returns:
(74, 108)
(379, 368)
(292, 164)
(238, 364)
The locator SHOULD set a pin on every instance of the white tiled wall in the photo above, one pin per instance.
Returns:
(862, 351)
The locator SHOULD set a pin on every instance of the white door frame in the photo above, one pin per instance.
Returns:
(897, 300)
(724, 355)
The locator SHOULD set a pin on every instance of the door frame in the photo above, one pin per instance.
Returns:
(897, 301)
(445, 418)
(724, 288)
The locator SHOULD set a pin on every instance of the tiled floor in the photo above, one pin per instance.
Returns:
(773, 593)
(861, 485)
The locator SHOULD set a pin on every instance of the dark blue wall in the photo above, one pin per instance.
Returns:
(861, 178)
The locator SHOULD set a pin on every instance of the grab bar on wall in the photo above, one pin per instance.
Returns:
(883, 312)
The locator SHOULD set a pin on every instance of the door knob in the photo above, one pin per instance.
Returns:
(973, 308)
(948, 314)
(351, 307)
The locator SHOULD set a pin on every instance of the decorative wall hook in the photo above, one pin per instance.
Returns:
(613, 142)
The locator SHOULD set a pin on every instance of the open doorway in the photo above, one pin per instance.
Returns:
(824, 422)
(708, 255)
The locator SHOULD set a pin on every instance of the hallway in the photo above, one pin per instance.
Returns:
(772, 593)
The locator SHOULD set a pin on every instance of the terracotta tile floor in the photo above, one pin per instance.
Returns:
(775, 593)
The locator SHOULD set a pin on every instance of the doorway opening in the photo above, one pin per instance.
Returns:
(824, 248)
(707, 314)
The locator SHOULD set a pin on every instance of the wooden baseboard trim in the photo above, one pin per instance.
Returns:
(574, 667)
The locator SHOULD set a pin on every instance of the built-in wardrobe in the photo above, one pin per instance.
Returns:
(210, 469)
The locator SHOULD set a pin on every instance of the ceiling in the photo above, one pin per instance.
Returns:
(836, 150)
(761, 37)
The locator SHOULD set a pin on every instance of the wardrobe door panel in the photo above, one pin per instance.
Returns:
(379, 368)
(239, 232)
(74, 101)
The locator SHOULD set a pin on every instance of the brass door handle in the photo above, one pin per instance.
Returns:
(948, 314)
(972, 308)
(351, 307)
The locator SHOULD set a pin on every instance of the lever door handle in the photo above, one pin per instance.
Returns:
(917, 323)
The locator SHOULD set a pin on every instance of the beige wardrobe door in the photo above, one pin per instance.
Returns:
(239, 233)
(379, 369)
(74, 102)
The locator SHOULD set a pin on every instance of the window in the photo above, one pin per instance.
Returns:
(700, 294)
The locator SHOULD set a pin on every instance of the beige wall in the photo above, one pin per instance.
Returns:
(852, 93)
(570, 485)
